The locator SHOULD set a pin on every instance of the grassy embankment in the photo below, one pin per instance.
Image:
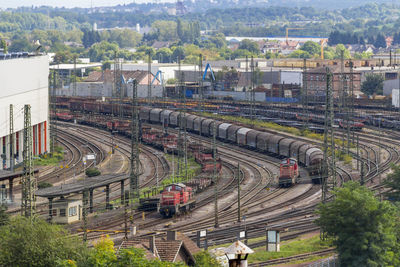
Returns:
(50, 160)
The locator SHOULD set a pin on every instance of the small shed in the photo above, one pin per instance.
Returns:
(237, 254)
(65, 211)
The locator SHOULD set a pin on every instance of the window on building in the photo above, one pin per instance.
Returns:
(62, 212)
(72, 211)
(54, 212)
(317, 77)
(311, 78)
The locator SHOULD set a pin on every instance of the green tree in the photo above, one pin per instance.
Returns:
(380, 41)
(4, 217)
(204, 259)
(338, 50)
(218, 40)
(36, 243)
(21, 45)
(311, 48)
(364, 230)
(167, 30)
(373, 84)
(241, 53)
(3, 45)
(249, 45)
(178, 51)
(299, 54)
(179, 29)
(163, 55)
(103, 253)
(392, 181)
(90, 37)
(106, 65)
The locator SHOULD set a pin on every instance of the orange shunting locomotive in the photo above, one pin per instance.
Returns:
(289, 172)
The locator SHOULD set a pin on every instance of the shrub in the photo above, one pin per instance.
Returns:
(43, 184)
(91, 172)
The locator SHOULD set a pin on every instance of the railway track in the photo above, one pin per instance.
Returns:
(298, 257)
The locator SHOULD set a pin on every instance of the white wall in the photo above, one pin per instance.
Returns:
(291, 77)
(168, 70)
(395, 98)
(23, 81)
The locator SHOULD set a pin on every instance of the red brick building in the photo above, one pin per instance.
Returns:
(316, 81)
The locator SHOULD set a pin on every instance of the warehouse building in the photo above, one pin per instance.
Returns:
(23, 80)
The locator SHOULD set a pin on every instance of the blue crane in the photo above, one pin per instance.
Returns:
(159, 75)
(208, 67)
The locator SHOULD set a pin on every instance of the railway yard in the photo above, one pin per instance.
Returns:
(229, 172)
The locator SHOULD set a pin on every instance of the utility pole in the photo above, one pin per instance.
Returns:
(304, 98)
(342, 95)
(201, 83)
(238, 188)
(358, 153)
(134, 159)
(378, 167)
(117, 83)
(352, 102)
(12, 138)
(85, 211)
(53, 124)
(74, 80)
(180, 144)
(362, 174)
(247, 73)
(328, 131)
(252, 90)
(216, 224)
(28, 200)
(149, 95)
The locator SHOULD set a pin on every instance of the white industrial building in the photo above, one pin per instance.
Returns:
(24, 80)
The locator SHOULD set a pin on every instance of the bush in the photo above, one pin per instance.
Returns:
(42, 185)
(91, 172)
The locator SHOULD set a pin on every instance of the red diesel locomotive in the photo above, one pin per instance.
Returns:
(289, 171)
(176, 199)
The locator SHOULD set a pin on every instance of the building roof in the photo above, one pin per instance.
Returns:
(126, 244)
(168, 250)
(189, 244)
(333, 69)
(79, 186)
(5, 175)
(160, 44)
(238, 248)
(108, 76)
(165, 250)
(73, 66)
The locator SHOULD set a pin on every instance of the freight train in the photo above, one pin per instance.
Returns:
(306, 154)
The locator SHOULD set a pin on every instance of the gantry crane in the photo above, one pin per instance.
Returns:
(287, 33)
(322, 42)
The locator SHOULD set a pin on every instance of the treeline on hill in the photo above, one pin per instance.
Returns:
(70, 34)
(337, 37)
(272, 19)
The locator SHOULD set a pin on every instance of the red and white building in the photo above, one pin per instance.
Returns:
(23, 80)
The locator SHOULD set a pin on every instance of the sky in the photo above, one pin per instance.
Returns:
(68, 3)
